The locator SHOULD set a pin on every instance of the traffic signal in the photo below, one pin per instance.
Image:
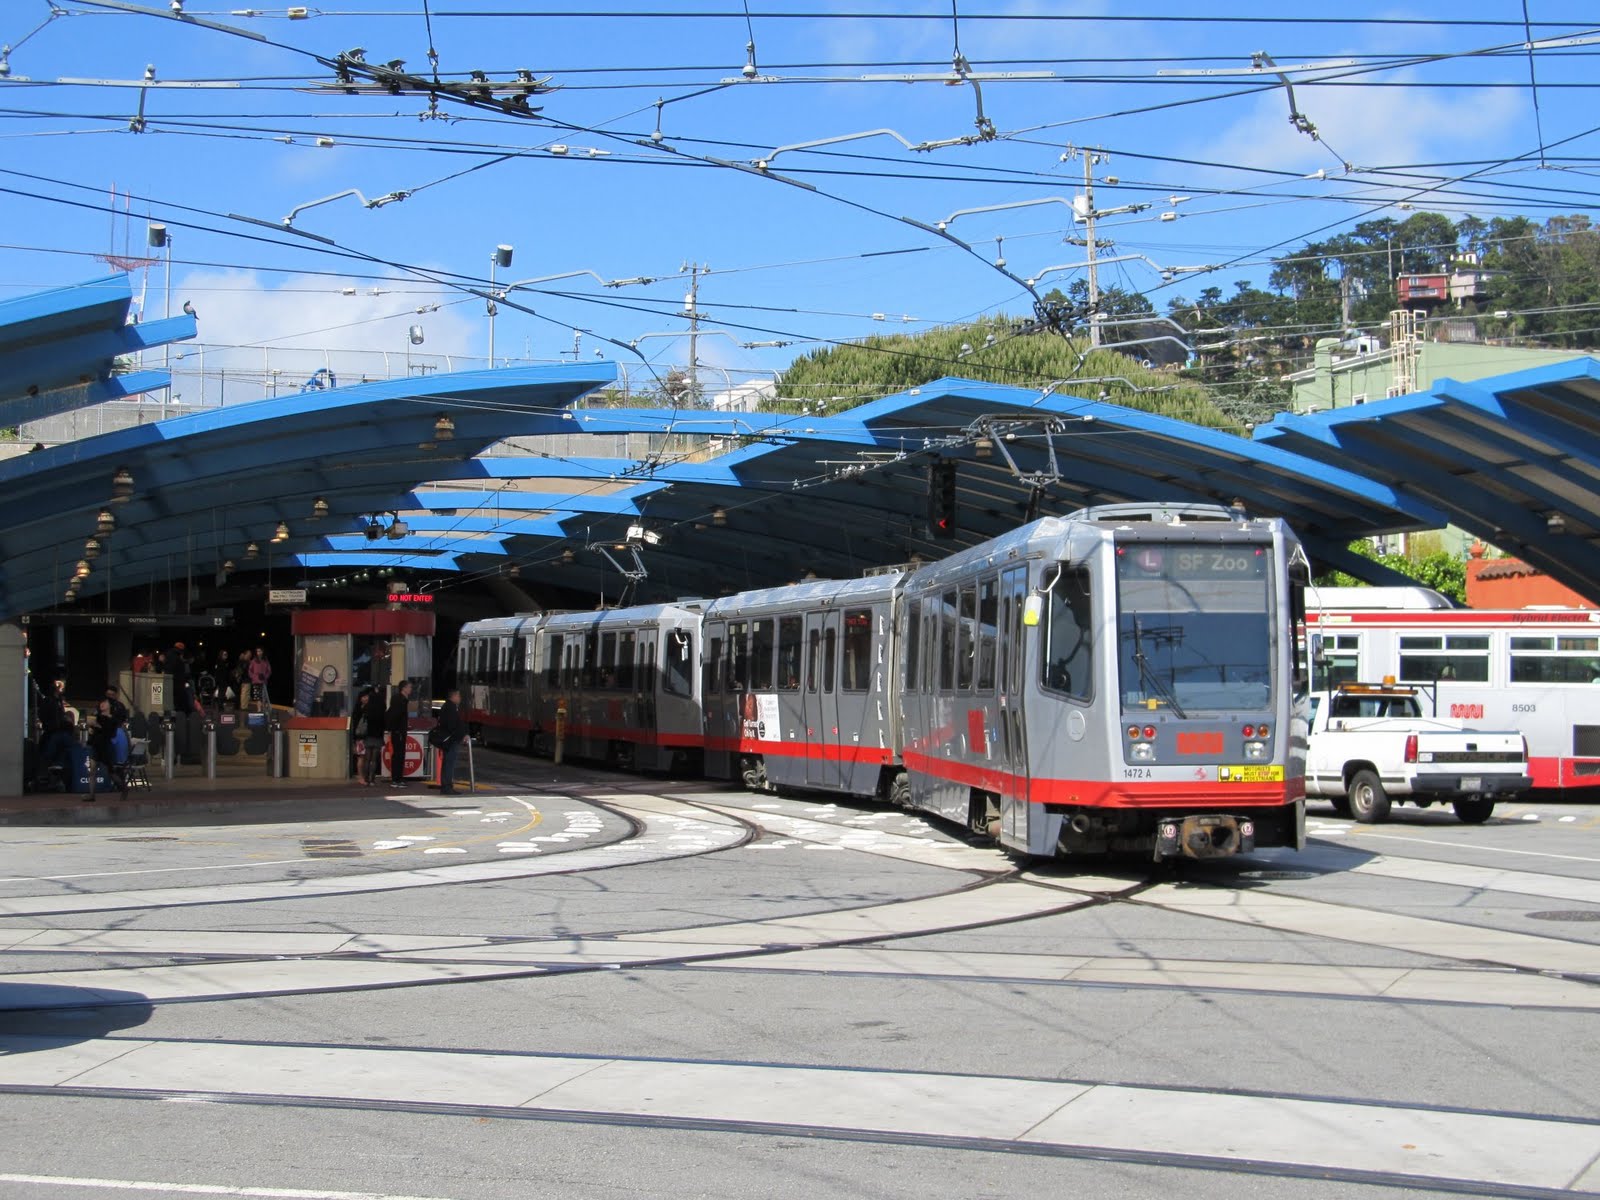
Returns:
(942, 500)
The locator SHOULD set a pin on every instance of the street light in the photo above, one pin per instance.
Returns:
(158, 237)
(499, 260)
(414, 337)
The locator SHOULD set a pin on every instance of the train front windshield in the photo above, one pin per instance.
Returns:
(1194, 628)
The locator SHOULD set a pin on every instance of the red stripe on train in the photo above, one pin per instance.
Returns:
(1099, 793)
(822, 750)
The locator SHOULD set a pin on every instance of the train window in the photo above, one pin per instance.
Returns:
(608, 660)
(857, 649)
(519, 661)
(789, 653)
(625, 657)
(966, 643)
(830, 658)
(1463, 658)
(1067, 636)
(738, 657)
(988, 617)
(571, 670)
(761, 650)
(675, 674)
(947, 642)
(811, 660)
(645, 679)
(591, 659)
(913, 642)
(552, 660)
(712, 681)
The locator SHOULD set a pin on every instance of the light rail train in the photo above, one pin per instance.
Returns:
(1121, 679)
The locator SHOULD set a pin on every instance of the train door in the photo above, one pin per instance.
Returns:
(719, 736)
(821, 704)
(1010, 686)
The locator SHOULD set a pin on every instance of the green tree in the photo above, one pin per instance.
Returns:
(1439, 570)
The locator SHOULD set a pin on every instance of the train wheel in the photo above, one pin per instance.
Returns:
(753, 772)
(900, 791)
(983, 814)
(1473, 810)
(1369, 803)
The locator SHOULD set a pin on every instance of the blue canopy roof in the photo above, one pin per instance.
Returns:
(725, 501)
(1514, 460)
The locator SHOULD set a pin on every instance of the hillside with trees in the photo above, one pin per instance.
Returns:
(841, 377)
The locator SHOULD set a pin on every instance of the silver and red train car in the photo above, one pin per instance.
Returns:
(1121, 679)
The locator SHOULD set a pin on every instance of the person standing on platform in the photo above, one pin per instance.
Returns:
(447, 737)
(108, 746)
(56, 725)
(366, 731)
(398, 721)
(182, 685)
(241, 679)
(260, 672)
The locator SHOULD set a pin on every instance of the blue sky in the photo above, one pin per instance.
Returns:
(1409, 104)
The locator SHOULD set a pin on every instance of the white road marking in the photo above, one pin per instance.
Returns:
(719, 831)
(202, 1189)
(1512, 989)
(1396, 837)
(1506, 1151)
(1415, 935)
(1486, 879)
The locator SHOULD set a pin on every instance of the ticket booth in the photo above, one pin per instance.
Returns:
(339, 653)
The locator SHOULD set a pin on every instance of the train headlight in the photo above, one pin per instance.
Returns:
(1143, 751)
(1255, 749)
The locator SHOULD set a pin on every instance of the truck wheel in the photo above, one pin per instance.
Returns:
(1474, 810)
(1369, 803)
(1341, 806)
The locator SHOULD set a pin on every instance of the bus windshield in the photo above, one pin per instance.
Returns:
(1193, 626)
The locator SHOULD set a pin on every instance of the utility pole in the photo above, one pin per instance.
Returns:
(1083, 211)
(692, 311)
(1090, 158)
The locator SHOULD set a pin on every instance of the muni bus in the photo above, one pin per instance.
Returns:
(1534, 670)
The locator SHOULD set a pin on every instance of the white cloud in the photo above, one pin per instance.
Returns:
(1369, 126)
(264, 337)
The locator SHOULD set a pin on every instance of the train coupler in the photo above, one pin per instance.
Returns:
(1211, 836)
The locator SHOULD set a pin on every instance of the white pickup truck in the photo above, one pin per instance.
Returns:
(1371, 746)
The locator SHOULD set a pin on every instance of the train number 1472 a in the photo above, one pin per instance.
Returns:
(1137, 773)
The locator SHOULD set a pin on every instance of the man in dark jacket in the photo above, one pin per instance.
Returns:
(397, 720)
(447, 737)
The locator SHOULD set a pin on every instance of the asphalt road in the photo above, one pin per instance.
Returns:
(597, 985)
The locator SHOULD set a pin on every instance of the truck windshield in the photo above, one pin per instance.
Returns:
(1193, 625)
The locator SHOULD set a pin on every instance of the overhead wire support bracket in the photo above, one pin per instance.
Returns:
(1000, 429)
(391, 198)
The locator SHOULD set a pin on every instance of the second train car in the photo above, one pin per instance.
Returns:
(1120, 679)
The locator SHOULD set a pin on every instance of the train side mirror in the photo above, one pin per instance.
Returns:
(1032, 608)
